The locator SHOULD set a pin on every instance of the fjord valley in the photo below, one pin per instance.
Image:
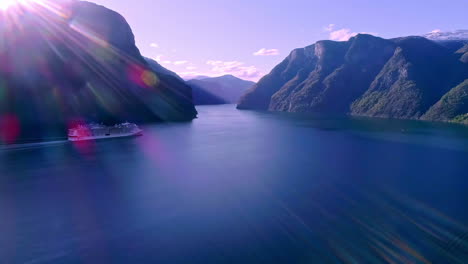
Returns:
(407, 77)
(191, 139)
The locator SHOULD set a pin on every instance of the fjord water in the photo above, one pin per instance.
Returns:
(242, 187)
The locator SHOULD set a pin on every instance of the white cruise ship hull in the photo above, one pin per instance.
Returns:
(119, 135)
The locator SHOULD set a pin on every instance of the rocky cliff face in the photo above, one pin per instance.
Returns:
(463, 53)
(419, 73)
(293, 69)
(451, 106)
(365, 76)
(342, 73)
(77, 61)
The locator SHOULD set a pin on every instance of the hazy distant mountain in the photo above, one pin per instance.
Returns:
(366, 76)
(84, 65)
(200, 95)
(199, 77)
(224, 90)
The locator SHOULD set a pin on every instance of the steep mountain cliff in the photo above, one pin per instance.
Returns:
(219, 90)
(452, 105)
(365, 76)
(342, 73)
(294, 69)
(74, 61)
(463, 53)
(419, 73)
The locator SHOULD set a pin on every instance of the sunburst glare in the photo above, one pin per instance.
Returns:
(5, 4)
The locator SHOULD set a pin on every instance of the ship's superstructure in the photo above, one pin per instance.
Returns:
(99, 131)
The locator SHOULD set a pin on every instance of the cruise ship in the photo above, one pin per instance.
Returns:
(99, 131)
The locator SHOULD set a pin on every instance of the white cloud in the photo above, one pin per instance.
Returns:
(219, 68)
(266, 52)
(166, 60)
(343, 34)
(182, 62)
(154, 45)
(236, 68)
(192, 74)
(436, 31)
(159, 58)
(329, 28)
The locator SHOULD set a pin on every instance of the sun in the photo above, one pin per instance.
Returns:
(5, 4)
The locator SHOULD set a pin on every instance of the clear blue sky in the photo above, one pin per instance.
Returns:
(212, 37)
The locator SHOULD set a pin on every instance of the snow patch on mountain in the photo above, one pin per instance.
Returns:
(447, 35)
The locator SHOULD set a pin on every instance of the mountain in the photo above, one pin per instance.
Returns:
(415, 78)
(226, 89)
(452, 106)
(200, 96)
(74, 61)
(453, 40)
(365, 76)
(199, 77)
(463, 53)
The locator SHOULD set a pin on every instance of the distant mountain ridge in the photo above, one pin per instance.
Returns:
(225, 89)
(368, 76)
(199, 77)
(199, 95)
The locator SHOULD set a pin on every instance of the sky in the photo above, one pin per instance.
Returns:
(247, 38)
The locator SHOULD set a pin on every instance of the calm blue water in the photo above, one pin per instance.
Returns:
(242, 187)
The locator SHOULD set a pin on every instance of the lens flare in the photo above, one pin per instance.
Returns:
(5, 4)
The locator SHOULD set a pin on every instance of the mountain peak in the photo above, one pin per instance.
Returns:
(364, 36)
(229, 76)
